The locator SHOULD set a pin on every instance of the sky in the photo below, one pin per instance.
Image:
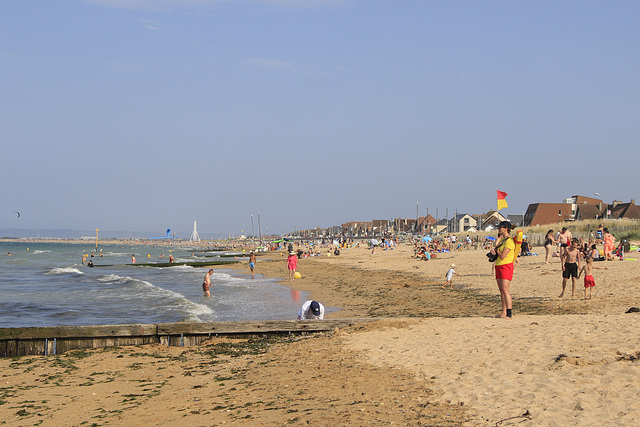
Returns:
(143, 115)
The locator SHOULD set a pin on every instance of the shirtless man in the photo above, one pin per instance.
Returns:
(206, 285)
(564, 240)
(252, 262)
(570, 266)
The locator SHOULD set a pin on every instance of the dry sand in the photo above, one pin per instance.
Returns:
(444, 361)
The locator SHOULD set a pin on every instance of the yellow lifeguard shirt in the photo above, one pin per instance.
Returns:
(511, 256)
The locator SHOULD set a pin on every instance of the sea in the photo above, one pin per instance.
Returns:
(46, 284)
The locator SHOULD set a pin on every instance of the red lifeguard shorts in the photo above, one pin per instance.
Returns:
(589, 282)
(504, 271)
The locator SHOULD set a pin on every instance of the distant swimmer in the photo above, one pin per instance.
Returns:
(90, 263)
(252, 262)
(171, 260)
(133, 259)
(8, 253)
(206, 284)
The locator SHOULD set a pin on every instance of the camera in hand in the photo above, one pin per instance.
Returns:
(492, 257)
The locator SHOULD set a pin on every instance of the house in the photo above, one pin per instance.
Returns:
(461, 222)
(578, 200)
(491, 219)
(357, 228)
(547, 213)
(625, 210)
(336, 230)
(380, 227)
(516, 220)
(425, 223)
(441, 226)
(404, 225)
(588, 212)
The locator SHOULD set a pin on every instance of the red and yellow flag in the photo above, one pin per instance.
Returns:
(502, 203)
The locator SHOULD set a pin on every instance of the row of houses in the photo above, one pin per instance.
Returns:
(571, 209)
(425, 224)
(577, 208)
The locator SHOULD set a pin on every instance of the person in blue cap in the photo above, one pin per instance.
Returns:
(311, 310)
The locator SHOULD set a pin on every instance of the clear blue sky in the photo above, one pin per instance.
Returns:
(143, 115)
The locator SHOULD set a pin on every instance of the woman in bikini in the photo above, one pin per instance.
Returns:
(549, 243)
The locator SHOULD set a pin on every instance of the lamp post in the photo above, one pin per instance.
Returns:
(253, 233)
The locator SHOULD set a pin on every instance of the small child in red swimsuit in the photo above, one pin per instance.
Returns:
(589, 283)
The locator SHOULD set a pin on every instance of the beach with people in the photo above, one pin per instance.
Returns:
(436, 357)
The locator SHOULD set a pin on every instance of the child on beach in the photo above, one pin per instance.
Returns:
(570, 265)
(588, 278)
(449, 276)
(292, 264)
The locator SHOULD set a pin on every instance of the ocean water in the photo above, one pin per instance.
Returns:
(45, 284)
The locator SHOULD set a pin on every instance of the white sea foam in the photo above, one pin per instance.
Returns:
(227, 278)
(145, 288)
(63, 270)
(182, 267)
(40, 252)
(113, 278)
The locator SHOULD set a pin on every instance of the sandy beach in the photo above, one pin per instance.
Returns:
(440, 357)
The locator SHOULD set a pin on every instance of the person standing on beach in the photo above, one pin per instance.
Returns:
(570, 266)
(252, 262)
(292, 264)
(504, 265)
(599, 234)
(206, 284)
(564, 239)
(609, 245)
(549, 242)
(589, 283)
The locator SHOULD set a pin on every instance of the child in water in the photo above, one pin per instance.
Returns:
(449, 276)
(589, 283)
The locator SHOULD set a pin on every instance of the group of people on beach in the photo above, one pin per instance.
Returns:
(563, 239)
(572, 250)
(570, 259)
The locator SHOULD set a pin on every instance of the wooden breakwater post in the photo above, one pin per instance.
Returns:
(47, 341)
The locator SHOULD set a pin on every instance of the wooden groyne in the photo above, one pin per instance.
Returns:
(53, 340)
